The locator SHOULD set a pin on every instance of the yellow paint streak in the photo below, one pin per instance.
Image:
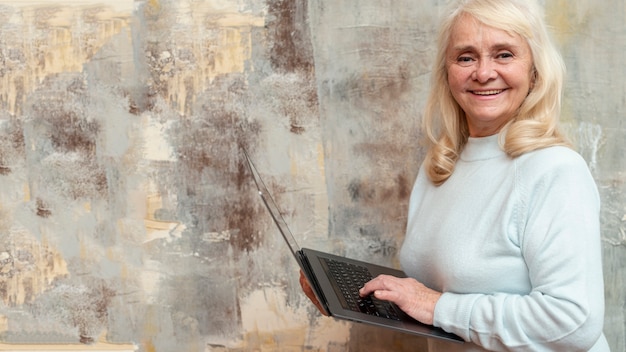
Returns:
(293, 164)
(321, 162)
(559, 18)
(156, 228)
(289, 340)
(233, 49)
(151, 327)
(154, 5)
(85, 255)
(238, 20)
(148, 346)
(69, 41)
(154, 202)
(231, 54)
(321, 195)
(111, 254)
(101, 345)
(55, 40)
(231, 58)
(4, 324)
(31, 280)
(124, 272)
(26, 189)
(118, 5)
(567, 18)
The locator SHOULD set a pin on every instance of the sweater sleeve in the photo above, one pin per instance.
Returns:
(558, 231)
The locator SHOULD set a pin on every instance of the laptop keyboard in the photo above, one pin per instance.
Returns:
(348, 279)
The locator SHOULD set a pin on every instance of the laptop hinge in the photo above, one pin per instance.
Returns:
(308, 272)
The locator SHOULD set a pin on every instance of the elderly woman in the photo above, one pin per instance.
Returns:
(502, 243)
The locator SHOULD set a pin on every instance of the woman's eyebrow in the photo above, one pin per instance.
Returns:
(498, 46)
(463, 48)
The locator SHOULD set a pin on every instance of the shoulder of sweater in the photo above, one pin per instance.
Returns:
(551, 166)
(552, 158)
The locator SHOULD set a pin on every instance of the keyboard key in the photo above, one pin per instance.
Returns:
(349, 278)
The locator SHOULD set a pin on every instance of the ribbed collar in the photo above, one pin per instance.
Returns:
(482, 148)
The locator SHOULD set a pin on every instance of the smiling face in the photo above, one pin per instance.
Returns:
(489, 74)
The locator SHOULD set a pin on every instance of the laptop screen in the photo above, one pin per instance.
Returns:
(272, 207)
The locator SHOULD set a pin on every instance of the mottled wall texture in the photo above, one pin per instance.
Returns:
(128, 217)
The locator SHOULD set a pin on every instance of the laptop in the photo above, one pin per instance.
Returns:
(336, 280)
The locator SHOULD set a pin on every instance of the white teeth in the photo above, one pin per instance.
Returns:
(488, 92)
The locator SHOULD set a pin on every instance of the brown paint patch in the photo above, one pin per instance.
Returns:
(380, 246)
(378, 153)
(161, 67)
(287, 24)
(42, 209)
(4, 290)
(242, 215)
(12, 148)
(86, 308)
(7, 271)
(378, 193)
(210, 143)
(100, 298)
(295, 127)
(356, 191)
(404, 187)
(74, 177)
(376, 86)
(60, 104)
(295, 97)
(61, 126)
(90, 181)
(214, 180)
(27, 285)
(90, 315)
(71, 132)
(140, 100)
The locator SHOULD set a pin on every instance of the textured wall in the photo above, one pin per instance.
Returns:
(127, 215)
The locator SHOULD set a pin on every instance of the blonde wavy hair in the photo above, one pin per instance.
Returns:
(536, 124)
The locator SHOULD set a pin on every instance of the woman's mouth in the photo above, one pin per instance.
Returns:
(487, 92)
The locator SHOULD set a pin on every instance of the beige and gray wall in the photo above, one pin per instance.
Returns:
(127, 217)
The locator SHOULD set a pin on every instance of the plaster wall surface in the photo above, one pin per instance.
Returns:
(128, 219)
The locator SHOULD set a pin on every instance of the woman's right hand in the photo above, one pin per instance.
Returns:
(308, 291)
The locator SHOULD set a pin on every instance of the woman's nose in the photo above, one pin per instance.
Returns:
(485, 71)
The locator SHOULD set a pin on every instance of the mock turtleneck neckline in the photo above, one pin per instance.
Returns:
(482, 148)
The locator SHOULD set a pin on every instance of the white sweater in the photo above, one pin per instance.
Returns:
(514, 244)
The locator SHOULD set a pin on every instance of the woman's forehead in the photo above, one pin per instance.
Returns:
(468, 32)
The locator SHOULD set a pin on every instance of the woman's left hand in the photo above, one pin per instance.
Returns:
(410, 295)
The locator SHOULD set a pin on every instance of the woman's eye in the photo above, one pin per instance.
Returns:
(465, 60)
(506, 55)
